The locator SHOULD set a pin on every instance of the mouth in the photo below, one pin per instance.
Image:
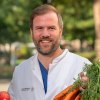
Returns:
(45, 40)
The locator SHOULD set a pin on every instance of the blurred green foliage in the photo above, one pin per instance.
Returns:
(77, 16)
(14, 19)
(78, 19)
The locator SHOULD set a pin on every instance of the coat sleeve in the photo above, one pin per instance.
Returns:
(11, 91)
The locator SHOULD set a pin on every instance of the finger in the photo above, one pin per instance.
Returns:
(84, 81)
(82, 89)
(83, 77)
(82, 74)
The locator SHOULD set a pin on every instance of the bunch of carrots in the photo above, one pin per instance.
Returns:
(69, 95)
(92, 92)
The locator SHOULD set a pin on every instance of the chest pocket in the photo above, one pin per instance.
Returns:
(25, 93)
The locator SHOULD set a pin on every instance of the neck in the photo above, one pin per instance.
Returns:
(47, 59)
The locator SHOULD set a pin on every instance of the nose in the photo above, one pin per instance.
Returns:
(45, 33)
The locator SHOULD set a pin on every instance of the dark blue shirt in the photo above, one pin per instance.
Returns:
(44, 73)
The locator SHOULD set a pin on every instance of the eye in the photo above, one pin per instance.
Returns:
(39, 28)
(52, 28)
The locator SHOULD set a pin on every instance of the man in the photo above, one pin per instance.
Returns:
(51, 69)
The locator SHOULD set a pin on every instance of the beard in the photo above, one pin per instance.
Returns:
(48, 48)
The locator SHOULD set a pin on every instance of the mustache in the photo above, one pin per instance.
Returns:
(45, 39)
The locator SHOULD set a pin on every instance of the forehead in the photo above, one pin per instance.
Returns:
(49, 16)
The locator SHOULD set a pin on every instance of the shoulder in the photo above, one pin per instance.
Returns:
(77, 58)
(25, 65)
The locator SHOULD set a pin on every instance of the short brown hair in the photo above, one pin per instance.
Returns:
(45, 9)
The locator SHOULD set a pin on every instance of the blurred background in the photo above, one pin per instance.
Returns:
(81, 31)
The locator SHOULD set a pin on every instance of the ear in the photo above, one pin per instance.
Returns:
(61, 31)
(31, 31)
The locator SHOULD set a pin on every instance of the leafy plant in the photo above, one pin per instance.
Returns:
(93, 88)
(92, 92)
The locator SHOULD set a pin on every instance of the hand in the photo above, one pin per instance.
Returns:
(84, 80)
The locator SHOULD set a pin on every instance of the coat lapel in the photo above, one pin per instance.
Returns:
(36, 69)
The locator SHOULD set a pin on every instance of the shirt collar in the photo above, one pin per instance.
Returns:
(57, 59)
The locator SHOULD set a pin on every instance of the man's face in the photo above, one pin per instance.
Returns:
(46, 33)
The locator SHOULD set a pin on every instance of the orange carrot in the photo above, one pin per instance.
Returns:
(66, 94)
(62, 94)
(71, 95)
(78, 97)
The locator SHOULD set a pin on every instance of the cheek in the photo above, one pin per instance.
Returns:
(35, 36)
(57, 36)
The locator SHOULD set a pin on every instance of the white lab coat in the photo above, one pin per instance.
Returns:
(27, 81)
